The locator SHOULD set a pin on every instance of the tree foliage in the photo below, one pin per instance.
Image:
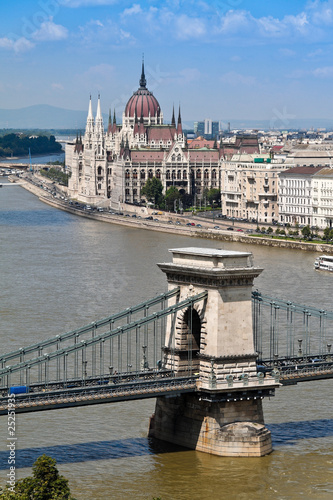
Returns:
(19, 145)
(56, 174)
(152, 190)
(45, 484)
(171, 195)
(306, 232)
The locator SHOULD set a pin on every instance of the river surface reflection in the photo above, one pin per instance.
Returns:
(58, 272)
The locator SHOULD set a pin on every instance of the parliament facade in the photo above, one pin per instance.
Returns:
(111, 167)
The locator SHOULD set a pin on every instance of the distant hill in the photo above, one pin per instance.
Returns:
(43, 116)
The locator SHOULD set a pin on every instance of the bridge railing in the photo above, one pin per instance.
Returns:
(58, 342)
(132, 348)
(287, 331)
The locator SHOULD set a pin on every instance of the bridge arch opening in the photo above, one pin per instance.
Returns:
(192, 330)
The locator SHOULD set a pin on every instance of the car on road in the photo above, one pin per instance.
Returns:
(230, 228)
(216, 227)
(239, 230)
(199, 225)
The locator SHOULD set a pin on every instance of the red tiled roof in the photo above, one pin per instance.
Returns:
(164, 133)
(203, 155)
(200, 142)
(147, 155)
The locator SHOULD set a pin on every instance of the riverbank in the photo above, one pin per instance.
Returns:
(173, 224)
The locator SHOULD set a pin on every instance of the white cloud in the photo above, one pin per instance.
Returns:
(135, 9)
(19, 45)
(233, 78)
(189, 27)
(234, 20)
(321, 12)
(324, 72)
(95, 33)
(49, 31)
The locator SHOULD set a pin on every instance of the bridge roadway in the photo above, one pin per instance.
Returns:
(143, 385)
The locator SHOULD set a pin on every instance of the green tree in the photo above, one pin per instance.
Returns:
(328, 234)
(171, 195)
(152, 190)
(213, 195)
(306, 232)
(45, 484)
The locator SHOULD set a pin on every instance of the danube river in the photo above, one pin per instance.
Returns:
(58, 272)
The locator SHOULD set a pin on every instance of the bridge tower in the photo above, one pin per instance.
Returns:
(214, 339)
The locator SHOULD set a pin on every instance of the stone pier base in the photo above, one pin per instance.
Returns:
(223, 428)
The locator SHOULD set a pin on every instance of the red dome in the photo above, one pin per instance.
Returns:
(142, 102)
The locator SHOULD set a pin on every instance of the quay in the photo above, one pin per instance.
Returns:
(168, 223)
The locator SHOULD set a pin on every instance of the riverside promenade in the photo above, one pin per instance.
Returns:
(169, 222)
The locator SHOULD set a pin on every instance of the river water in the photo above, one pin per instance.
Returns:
(58, 272)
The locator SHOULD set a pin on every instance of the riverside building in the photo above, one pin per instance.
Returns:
(110, 167)
(306, 196)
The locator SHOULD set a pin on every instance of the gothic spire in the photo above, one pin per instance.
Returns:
(179, 124)
(110, 122)
(90, 113)
(143, 81)
(173, 121)
(99, 114)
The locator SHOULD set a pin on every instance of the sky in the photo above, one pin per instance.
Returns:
(218, 59)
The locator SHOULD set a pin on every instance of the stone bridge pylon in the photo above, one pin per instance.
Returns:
(214, 338)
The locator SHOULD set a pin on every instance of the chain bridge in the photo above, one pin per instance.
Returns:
(202, 339)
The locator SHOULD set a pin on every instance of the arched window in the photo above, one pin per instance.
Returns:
(179, 158)
(99, 171)
(142, 175)
(158, 174)
(184, 175)
(150, 174)
(198, 174)
(214, 174)
(206, 174)
(167, 175)
(173, 175)
(135, 174)
(179, 174)
(127, 174)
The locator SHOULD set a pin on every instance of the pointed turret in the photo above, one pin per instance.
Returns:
(110, 123)
(99, 127)
(90, 123)
(173, 121)
(143, 81)
(179, 124)
(114, 124)
(90, 113)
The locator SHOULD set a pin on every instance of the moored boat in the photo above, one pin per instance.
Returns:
(324, 263)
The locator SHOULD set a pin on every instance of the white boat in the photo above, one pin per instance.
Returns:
(324, 263)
